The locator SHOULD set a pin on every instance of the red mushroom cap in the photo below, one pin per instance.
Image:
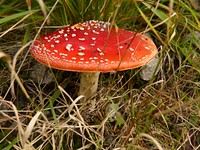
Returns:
(93, 46)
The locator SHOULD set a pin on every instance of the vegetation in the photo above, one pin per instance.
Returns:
(43, 111)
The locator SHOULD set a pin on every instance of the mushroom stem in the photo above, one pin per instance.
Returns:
(88, 83)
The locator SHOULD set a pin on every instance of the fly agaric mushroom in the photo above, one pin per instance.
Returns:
(92, 47)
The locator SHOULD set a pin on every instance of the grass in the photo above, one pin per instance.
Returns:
(44, 112)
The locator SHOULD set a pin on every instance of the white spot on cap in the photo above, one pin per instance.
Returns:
(99, 50)
(63, 54)
(61, 31)
(146, 47)
(133, 56)
(65, 35)
(143, 39)
(47, 50)
(101, 53)
(68, 47)
(95, 32)
(142, 58)
(81, 53)
(81, 28)
(93, 38)
(57, 41)
(73, 35)
(73, 58)
(81, 48)
(93, 44)
(52, 46)
(82, 39)
(85, 33)
(56, 36)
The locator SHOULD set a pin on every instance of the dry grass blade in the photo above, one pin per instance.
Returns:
(152, 139)
(14, 65)
(19, 124)
(28, 2)
(46, 18)
(42, 6)
(159, 24)
(29, 128)
(82, 124)
(4, 55)
(150, 25)
(11, 28)
(8, 60)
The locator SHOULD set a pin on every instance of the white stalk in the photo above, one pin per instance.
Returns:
(88, 84)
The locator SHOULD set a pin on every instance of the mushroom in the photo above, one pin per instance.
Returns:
(92, 47)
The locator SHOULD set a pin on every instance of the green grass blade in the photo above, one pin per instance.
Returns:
(15, 16)
(163, 16)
